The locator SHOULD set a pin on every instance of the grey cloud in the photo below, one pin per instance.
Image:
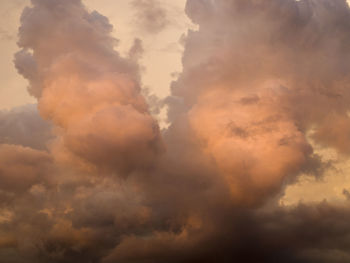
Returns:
(150, 15)
(24, 126)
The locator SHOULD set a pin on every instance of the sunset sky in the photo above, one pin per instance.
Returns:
(174, 131)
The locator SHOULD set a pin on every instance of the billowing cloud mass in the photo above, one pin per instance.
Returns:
(84, 87)
(260, 78)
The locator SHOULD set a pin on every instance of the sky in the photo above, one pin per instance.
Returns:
(174, 131)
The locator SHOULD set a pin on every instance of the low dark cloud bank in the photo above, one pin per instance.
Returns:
(97, 181)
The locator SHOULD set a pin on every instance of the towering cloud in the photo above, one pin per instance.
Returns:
(259, 75)
(84, 87)
(259, 78)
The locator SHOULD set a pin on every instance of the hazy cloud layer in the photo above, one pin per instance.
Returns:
(258, 78)
(150, 15)
(24, 126)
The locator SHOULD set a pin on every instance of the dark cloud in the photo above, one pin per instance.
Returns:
(22, 167)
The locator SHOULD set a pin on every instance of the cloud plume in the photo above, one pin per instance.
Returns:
(85, 87)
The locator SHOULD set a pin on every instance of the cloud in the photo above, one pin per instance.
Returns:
(23, 126)
(255, 82)
(150, 15)
(80, 80)
(258, 77)
(22, 167)
(4, 35)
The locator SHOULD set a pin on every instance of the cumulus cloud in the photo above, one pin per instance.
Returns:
(258, 78)
(85, 87)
